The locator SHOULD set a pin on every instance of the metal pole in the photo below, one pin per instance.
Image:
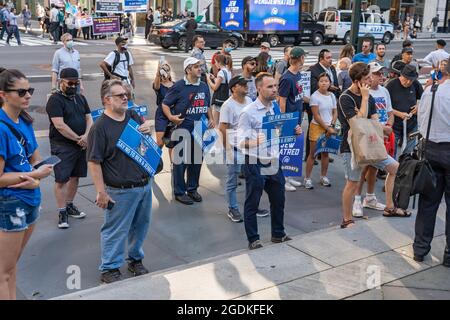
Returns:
(356, 17)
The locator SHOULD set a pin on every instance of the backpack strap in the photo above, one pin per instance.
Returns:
(116, 61)
(20, 138)
(434, 88)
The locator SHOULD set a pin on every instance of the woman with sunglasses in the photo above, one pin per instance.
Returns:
(20, 196)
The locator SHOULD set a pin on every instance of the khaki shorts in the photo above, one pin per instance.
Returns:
(315, 131)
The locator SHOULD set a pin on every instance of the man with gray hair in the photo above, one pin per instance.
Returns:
(123, 187)
(65, 57)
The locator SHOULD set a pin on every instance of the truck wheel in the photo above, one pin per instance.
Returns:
(317, 39)
(235, 42)
(181, 43)
(273, 40)
(347, 39)
(386, 38)
(165, 45)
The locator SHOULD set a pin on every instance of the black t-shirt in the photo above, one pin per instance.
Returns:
(72, 110)
(346, 110)
(402, 100)
(117, 167)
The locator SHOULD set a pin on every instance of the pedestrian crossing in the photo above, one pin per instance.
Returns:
(33, 41)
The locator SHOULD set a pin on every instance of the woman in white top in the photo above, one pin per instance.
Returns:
(219, 85)
(323, 107)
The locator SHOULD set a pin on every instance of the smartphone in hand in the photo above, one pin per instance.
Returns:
(53, 160)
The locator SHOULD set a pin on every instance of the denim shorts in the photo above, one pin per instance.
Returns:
(355, 174)
(16, 215)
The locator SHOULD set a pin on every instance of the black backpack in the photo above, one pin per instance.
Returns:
(115, 63)
(222, 94)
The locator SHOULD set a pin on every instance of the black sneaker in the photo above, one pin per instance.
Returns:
(279, 240)
(418, 258)
(262, 213)
(63, 220)
(195, 196)
(137, 268)
(74, 212)
(111, 276)
(255, 245)
(184, 199)
(446, 260)
(234, 215)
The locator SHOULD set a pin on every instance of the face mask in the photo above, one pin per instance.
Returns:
(228, 49)
(70, 91)
(125, 47)
(69, 44)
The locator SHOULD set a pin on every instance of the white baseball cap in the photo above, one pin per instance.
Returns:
(375, 66)
(190, 61)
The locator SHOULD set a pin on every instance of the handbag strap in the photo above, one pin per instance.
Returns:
(434, 88)
(20, 138)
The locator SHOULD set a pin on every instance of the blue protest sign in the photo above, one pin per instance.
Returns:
(140, 147)
(282, 125)
(142, 111)
(330, 144)
(203, 136)
(291, 157)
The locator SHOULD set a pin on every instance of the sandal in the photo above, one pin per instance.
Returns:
(393, 212)
(345, 224)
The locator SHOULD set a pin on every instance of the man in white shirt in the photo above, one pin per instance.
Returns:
(437, 152)
(435, 57)
(157, 16)
(117, 64)
(54, 23)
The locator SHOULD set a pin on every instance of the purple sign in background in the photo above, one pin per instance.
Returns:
(106, 25)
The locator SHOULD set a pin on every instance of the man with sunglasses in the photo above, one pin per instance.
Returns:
(248, 67)
(65, 57)
(70, 122)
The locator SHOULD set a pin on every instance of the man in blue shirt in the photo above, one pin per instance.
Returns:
(185, 103)
(366, 55)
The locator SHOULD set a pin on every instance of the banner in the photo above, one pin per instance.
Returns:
(291, 157)
(106, 6)
(135, 5)
(142, 111)
(106, 25)
(273, 15)
(203, 136)
(232, 14)
(71, 9)
(306, 83)
(282, 125)
(330, 144)
(58, 3)
(140, 147)
(85, 22)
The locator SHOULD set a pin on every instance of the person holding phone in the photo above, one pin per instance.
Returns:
(20, 196)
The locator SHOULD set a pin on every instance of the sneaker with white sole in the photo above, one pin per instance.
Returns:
(357, 210)
(372, 203)
(308, 184)
(293, 182)
(289, 187)
(63, 222)
(325, 182)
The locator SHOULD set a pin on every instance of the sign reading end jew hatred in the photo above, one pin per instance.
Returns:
(328, 144)
(203, 136)
(291, 157)
(280, 128)
(140, 110)
(140, 147)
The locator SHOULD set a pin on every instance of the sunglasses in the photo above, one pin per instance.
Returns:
(22, 92)
(252, 63)
(120, 95)
(73, 83)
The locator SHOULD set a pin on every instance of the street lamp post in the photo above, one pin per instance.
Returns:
(356, 17)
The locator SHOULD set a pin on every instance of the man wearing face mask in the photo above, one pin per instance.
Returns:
(66, 57)
(117, 64)
(227, 47)
(70, 122)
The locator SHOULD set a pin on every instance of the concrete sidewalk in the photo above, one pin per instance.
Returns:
(373, 260)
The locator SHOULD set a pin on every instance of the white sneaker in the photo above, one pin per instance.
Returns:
(357, 211)
(294, 183)
(325, 182)
(372, 203)
(308, 184)
(289, 187)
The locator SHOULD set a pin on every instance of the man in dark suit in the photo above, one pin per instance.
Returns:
(325, 64)
(191, 26)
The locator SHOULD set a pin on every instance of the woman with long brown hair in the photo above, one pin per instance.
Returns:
(347, 52)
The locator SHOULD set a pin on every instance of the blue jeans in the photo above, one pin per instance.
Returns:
(180, 185)
(16, 215)
(232, 183)
(255, 184)
(129, 220)
(13, 30)
(4, 30)
(410, 144)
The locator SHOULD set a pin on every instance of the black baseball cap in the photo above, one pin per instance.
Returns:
(69, 73)
(238, 80)
(409, 72)
(397, 67)
(441, 42)
(247, 59)
(407, 50)
(121, 39)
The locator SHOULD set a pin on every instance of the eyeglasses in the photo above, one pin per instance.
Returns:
(22, 92)
(252, 63)
(122, 96)
(73, 83)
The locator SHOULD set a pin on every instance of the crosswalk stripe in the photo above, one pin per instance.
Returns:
(32, 41)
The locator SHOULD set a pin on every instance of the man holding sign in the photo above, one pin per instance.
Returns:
(123, 186)
(262, 169)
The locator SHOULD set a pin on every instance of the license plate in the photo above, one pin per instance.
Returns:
(307, 31)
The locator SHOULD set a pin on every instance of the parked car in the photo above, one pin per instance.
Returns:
(338, 24)
(173, 34)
